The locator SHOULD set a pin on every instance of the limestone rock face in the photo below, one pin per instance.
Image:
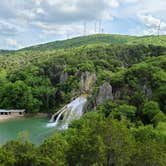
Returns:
(86, 82)
(63, 77)
(117, 94)
(147, 91)
(104, 94)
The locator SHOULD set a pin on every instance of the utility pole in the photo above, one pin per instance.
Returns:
(158, 29)
(99, 26)
(102, 30)
(95, 27)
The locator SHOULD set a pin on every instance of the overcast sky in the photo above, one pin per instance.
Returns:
(28, 22)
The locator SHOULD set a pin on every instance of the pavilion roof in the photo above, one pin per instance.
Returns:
(4, 110)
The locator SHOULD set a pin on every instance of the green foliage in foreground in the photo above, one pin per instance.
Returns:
(94, 140)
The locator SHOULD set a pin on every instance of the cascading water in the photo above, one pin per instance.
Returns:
(70, 112)
(54, 115)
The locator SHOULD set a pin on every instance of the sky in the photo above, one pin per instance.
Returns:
(29, 22)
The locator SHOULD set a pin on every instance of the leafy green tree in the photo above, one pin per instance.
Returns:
(127, 110)
(24, 153)
(150, 147)
(159, 117)
(120, 143)
(150, 109)
(100, 141)
(160, 95)
(161, 129)
(55, 150)
(86, 146)
(3, 79)
(6, 158)
(149, 153)
(18, 96)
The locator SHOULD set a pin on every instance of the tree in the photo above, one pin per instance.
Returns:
(55, 150)
(6, 158)
(159, 117)
(127, 110)
(18, 96)
(86, 145)
(119, 142)
(25, 154)
(150, 147)
(150, 109)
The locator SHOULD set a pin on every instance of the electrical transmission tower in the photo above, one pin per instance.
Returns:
(85, 29)
(99, 26)
(95, 28)
(158, 29)
(159, 32)
(102, 30)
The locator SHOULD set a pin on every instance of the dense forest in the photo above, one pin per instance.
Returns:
(124, 78)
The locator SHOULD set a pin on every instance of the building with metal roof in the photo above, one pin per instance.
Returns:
(12, 112)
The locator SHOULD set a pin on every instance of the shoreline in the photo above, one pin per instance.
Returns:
(9, 117)
(36, 115)
(4, 118)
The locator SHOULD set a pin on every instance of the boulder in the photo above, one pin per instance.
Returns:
(63, 77)
(147, 91)
(104, 93)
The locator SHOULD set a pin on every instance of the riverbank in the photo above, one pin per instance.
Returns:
(37, 115)
(9, 117)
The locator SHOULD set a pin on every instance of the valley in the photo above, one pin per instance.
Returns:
(106, 95)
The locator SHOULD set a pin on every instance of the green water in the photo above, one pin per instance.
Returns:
(34, 127)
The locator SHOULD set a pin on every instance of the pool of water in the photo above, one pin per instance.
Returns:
(35, 128)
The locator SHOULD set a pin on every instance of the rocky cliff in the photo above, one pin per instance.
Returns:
(87, 81)
(104, 93)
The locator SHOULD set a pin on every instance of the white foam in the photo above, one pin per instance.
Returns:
(70, 112)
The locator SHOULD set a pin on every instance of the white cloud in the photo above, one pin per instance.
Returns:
(40, 11)
(7, 28)
(31, 19)
(131, 8)
(149, 20)
(112, 3)
(131, 1)
(55, 14)
(12, 43)
(154, 25)
(22, 20)
(63, 30)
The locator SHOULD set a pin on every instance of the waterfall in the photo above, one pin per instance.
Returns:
(54, 115)
(70, 112)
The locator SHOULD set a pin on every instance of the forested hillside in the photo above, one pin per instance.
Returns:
(124, 78)
(100, 39)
